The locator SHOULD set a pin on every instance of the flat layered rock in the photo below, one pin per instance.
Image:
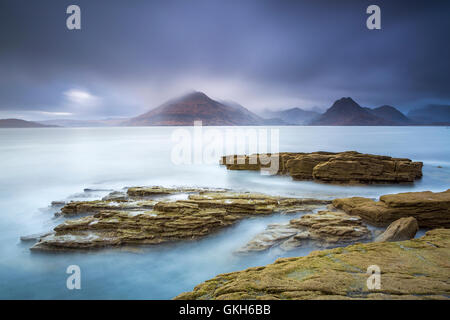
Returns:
(82, 207)
(430, 209)
(324, 228)
(157, 190)
(135, 198)
(131, 223)
(413, 269)
(343, 167)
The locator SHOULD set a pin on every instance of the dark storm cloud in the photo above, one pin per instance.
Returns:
(132, 55)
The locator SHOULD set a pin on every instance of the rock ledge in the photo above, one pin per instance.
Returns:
(342, 167)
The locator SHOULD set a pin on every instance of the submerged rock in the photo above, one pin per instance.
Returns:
(116, 195)
(57, 203)
(431, 209)
(324, 228)
(413, 269)
(152, 222)
(275, 234)
(399, 230)
(36, 236)
(343, 167)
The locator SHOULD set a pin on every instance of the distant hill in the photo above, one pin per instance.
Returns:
(391, 114)
(431, 114)
(183, 111)
(346, 112)
(295, 116)
(83, 123)
(19, 123)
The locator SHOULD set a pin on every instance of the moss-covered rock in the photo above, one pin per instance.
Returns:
(413, 269)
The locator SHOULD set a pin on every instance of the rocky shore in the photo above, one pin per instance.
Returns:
(410, 268)
(413, 269)
(342, 167)
(138, 218)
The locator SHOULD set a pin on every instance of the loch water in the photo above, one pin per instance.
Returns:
(38, 166)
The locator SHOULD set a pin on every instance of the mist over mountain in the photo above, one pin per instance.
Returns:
(293, 116)
(196, 106)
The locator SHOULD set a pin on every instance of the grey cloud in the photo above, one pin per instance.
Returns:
(136, 54)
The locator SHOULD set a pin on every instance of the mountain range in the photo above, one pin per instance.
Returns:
(19, 123)
(197, 106)
(293, 116)
(346, 112)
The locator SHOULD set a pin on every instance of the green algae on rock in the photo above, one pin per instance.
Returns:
(431, 209)
(412, 269)
(146, 222)
(342, 167)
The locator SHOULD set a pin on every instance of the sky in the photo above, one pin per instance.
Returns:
(131, 56)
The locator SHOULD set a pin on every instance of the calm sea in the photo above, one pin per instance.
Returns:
(38, 166)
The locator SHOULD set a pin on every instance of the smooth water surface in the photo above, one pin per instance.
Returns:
(38, 166)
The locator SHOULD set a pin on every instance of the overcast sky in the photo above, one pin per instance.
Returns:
(131, 56)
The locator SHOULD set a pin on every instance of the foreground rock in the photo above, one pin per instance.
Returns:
(148, 222)
(414, 269)
(343, 167)
(431, 209)
(399, 230)
(325, 229)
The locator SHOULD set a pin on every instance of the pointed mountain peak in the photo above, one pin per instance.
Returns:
(195, 95)
(345, 102)
(193, 106)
